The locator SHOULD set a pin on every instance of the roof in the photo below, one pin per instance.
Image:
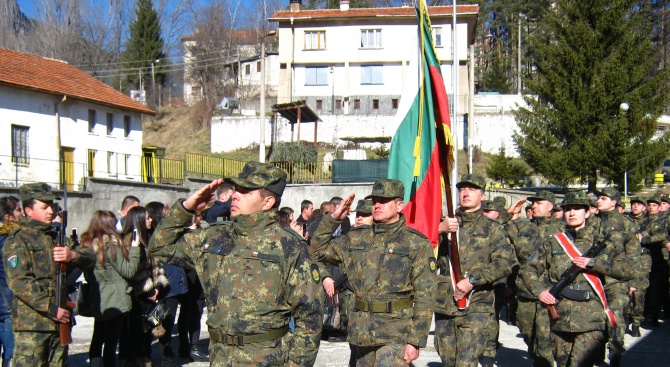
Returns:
(290, 110)
(405, 11)
(42, 74)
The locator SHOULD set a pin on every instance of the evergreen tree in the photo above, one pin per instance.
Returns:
(590, 58)
(500, 167)
(144, 46)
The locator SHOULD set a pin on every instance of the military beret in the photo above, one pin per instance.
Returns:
(40, 191)
(471, 179)
(543, 195)
(610, 192)
(364, 207)
(387, 188)
(261, 176)
(576, 198)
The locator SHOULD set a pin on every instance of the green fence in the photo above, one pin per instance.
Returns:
(206, 166)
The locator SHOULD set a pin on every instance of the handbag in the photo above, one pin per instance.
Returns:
(83, 299)
(332, 319)
(152, 320)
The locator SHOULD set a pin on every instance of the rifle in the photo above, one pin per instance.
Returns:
(572, 272)
(65, 330)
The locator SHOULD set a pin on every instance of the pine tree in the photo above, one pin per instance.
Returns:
(590, 57)
(500, 167)
(145, 45)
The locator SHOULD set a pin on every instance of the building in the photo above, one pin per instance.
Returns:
(53, 112)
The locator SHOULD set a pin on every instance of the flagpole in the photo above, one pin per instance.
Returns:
(454, 119)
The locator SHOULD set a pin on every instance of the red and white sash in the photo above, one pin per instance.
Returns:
(572, 251)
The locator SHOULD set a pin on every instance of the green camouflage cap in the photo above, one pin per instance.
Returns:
(471, 179)
(364, 207)
(501, 200)
(489, 205)
(654, 199)
(610, 192)
(543, 195)
(39, 191)
(638, 199)
(665, 199)
(593, 202)
(621, 204)
(557, 207)
(387, 188)
(576, 198)
(261, 176)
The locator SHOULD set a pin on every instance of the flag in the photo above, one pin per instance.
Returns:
(422, 148)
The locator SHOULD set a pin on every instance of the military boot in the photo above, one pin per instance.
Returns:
(487, 361)
(635, 331)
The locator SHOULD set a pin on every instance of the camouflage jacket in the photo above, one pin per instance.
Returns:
(548, 226)
(383, 262)
(655, 236)
(485, 254)
(31, 274)
(255, 275)
(627, 246)
(552, 261)
(639, 222)
(525, 238)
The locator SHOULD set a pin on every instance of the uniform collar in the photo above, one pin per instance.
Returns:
(35, 224)
(470, 216)
(246, 223)
(379, 228)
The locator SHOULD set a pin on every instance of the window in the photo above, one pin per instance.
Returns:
(91, 163)
(437, 36)
(394, 103)
(375, 104)
(316, 75)
(20, 145)
(371, 74)
(357, 104)
(371, 38)
(126, 165)
(282, 66)
(247, 69)
(110, 160)
(110, 123)
(126, 126)
(91, 121)
(258, 66)
(319, 104)
(315, 40)
(338, 104)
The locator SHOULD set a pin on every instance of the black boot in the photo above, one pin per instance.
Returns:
(615, 360)
(487, 361)
(197, 354)
(635, 331)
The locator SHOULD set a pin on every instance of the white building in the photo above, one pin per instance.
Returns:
(52, 110)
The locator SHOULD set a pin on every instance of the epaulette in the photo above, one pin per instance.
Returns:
(417, 232)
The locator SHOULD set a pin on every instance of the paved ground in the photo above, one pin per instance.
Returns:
(652, 349)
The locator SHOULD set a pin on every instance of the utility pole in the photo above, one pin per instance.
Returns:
(261, 145)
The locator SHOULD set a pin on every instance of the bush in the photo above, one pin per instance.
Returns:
(296, 152)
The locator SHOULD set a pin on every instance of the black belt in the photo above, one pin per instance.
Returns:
(579, 295)
(240, 340)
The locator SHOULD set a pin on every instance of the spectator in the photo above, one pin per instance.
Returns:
(10, 212)
(108, 282)
(221, 207)
(135, 346)
(189, 319)
(306, 209)
(127, 203)
(288, 211)
(326, 207)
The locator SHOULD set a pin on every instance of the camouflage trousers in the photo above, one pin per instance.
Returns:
(617, 300)
(460, 340)
(346, 308)
(634, 312)
(578, 349)
(535, 327)
(269, 353)
(494, 323)
(38, 349)
(381, 355)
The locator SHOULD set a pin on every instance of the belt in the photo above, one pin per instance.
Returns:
(384, 306)
(240, 340)
(579, 295)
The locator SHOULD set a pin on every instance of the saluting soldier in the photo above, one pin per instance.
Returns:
(579, 330)
(485, 258)
(30, 257)
(391, 269)
(255, 273)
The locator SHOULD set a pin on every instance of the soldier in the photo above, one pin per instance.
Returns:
(654, 238)
(579, 329)
(638, 287)
(391, 269)
(30, 264)
(485, 257)
(255, 273)
(623, 236)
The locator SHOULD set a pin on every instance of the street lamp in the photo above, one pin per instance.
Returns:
(623, 108)
(261, 145)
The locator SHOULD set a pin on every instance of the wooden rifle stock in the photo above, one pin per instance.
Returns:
(64, 330)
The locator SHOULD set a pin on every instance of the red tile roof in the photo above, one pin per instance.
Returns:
(372, 12)
(41, 74)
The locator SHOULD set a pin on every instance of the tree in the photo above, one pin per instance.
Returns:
(145, 45)
(591, 57)
(501, 167)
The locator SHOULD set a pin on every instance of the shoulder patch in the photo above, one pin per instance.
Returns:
(432, 264)
(13, 261)
(417, 232)
(316, 276)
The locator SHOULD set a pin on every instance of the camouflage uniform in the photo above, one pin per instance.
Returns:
(486, 257)
(28, 257)
(579, 330)
(634, 313)
(255, 275)
(654, 238)
(391, 269)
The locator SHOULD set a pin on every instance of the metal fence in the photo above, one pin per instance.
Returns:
(213, 167)
(16, 171)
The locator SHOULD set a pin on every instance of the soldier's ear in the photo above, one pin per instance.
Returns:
(401, 205)
(268, 202)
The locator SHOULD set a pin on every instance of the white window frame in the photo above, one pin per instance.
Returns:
(438, 37)
(371, 38)
(320, 76)
(372, 75)
(315, 40)
(20, 147)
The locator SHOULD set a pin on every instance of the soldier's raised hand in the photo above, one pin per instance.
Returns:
(342, 212)
(200, 198)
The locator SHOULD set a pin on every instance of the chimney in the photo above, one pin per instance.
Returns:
(344, 5)
(295, 6)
